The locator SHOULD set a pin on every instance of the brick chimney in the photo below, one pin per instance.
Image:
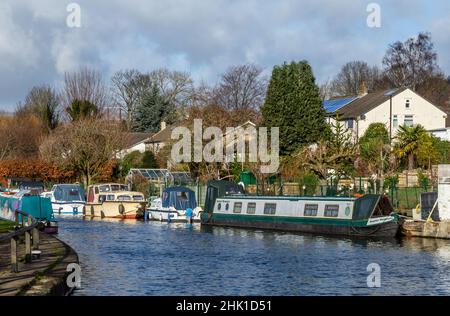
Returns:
(363, 89)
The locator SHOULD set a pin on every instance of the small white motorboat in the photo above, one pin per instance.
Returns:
(177, 204)
(67, 199)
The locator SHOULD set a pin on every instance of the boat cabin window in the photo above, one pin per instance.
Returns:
(115, 187)
(331, 211)
(124, 198)
(270, 208)
(110, 197)
(104, 188)
(96, 190)
(101, 198)
(138, 198)
(251, 208)
(182, 196)
(237, 207)
(311, 210)
(219, 206)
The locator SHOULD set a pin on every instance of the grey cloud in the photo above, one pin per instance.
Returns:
(201, 36)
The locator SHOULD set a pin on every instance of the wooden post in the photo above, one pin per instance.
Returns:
(35, 238)
(14, 265)
(27, 247)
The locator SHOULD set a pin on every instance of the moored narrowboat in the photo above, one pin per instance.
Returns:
(367, 216)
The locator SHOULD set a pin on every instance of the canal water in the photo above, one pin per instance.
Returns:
(152, 258)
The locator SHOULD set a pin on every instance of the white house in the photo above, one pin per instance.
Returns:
(394, 108)
(134, 142)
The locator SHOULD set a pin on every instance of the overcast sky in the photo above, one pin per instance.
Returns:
(203, 37)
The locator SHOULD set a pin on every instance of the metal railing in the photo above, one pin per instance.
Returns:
(30, 230)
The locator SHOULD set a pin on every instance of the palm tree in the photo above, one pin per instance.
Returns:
(408, 143)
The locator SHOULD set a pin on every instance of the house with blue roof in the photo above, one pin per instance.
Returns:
(394, 108)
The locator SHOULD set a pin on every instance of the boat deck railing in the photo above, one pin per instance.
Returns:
(29, 229)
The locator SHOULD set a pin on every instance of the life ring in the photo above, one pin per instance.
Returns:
(121, 209)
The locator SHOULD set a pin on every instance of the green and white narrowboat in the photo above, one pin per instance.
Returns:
(368, 216)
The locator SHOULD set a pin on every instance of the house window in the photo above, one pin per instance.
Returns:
(409, 120)
(237, 207)
(311, 210)
(331, 211)
(251, 208)
(408, 104)
(395, 121)
(270, 208)
(350, 124)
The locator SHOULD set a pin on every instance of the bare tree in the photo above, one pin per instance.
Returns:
(325, 90)
(85, 146)
(410, 63)
(7, 143)
(436, 89)
(241, 87)
(44, 102)
(128, 88)
(177, 87)
(24, 135)
(352, 77)
(86, 86)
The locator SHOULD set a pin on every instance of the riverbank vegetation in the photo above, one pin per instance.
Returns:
(75, 133)
(6, 226)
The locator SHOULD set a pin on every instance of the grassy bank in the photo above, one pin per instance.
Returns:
(6, 226)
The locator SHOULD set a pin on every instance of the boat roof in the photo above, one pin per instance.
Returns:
(178, 189)
(291, 198)
(99, 184)
(67, 185)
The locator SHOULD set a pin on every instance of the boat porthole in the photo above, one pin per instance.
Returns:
(347, 211)
(227, 206)
(219, 206)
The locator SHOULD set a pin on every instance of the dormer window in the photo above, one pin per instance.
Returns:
(408, 104)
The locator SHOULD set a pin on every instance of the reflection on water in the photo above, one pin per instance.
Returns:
(136, 258)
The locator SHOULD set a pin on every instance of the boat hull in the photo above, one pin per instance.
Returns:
(68, 208)
(424, 229)
(130, 210)
(338, 228)
(163, 216)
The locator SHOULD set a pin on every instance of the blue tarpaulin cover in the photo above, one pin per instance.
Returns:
(179, 197)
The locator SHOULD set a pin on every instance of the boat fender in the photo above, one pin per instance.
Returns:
(197, 211)
(121, 209)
